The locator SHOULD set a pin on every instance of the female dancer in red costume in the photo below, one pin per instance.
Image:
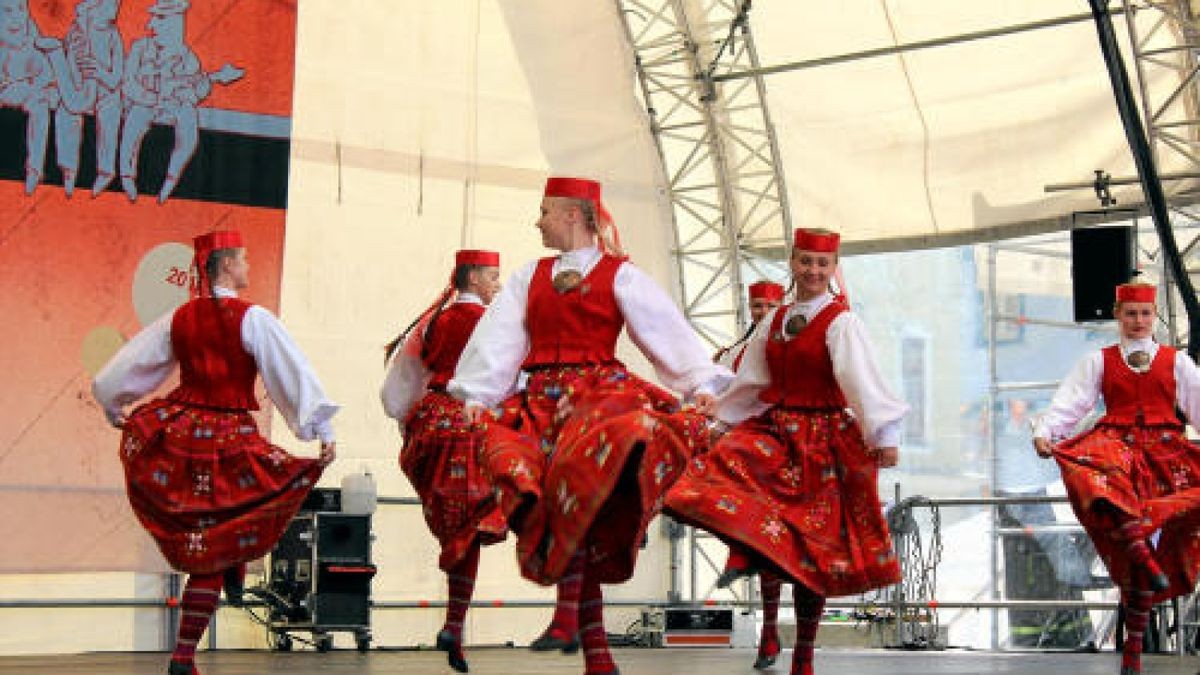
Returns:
(764, 296)
(1135, 472)
(793, 484)
(212, 492)
(440, 454)
(586, 441)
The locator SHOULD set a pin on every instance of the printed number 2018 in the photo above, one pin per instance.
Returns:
(178, 277)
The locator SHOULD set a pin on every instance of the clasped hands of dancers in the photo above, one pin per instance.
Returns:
(517, 416)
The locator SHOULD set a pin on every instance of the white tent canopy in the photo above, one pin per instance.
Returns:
(932, 142)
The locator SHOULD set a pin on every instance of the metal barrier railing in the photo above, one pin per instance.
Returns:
(914, 600)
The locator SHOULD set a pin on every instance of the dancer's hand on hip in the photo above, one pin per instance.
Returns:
(887, 457)
(328, 453)
(706, 404)
(1044, 447)
(473, 413)
(116, 418)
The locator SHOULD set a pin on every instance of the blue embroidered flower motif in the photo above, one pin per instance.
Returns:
(727, 505)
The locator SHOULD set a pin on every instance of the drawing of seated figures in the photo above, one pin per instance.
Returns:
(88, 69)
(26, 83)
(164, 83)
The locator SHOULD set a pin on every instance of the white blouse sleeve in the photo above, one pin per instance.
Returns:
(488, 368)
(405, 384)
(1075, 398)
(288, 377)
(1187, 386)
(740, 401)
(138, 368)
(879, 411)
(661, 332)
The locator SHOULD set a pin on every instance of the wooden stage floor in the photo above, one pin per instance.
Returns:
(499, 661)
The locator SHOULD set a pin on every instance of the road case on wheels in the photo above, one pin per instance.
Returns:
(319, 579)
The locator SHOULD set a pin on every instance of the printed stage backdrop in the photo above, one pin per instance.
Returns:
(126, 128)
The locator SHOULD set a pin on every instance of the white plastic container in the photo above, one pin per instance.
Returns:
(359, 495)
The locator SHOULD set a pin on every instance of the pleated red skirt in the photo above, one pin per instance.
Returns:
(1148, 473)
(593, 479)
(799, 489)
(441, 459)
(211, 491)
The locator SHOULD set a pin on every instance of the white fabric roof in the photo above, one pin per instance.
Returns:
(943, 140)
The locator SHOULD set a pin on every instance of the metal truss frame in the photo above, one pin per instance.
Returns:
(718, 149)
(1165, 36)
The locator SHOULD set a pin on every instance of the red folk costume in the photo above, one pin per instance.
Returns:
(204, 483)
(794, 482)
(621, 445)
(1135, 472)
(731, 356)
(770, 583)
(440, 456)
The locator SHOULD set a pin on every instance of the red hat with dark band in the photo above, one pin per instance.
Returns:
(817, 242)
(204, 246)
(589, 190)
(766, 290)
(1137, 293)
(477, 257)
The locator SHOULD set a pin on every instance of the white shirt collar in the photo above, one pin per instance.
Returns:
(810, 308)
(469, 297)
(579, 259)
(222, 292)
(1146, 344)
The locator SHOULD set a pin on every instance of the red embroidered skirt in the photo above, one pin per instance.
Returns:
(799, 489)
(440, 458)
(211, 491)
(597, 481)
(1151, 473)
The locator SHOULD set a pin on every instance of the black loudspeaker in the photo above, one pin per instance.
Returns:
(1102, 258)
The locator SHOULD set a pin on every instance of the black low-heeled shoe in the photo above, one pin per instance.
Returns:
(732, 574)
(548, 642)
(454, 653)
(764, 661)
(176, 668)
(235, 587)
(1159, 582)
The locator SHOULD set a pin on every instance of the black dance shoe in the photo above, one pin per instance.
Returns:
(548, 642)
(453, 648)
(235, 587)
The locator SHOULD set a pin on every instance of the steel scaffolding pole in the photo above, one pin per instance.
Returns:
(721, 161)
(1164, 36)
(718, 151)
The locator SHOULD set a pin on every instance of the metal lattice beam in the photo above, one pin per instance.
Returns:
(1164, 36)
(717, 147)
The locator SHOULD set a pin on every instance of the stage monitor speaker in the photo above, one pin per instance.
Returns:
(1101, 259)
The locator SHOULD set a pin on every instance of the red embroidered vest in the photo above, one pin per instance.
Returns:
(214, 369)
(801, 368)
(579, 326)
(1139, 398)
(447, 337)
